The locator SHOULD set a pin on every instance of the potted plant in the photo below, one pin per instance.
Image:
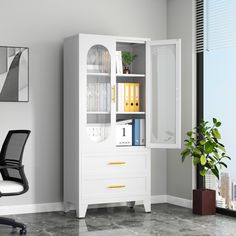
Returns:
(127, 59)
(207, 152)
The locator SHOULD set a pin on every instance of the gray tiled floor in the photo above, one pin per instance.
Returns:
(164, 220)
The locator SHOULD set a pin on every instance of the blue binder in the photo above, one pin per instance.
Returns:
(136, 132)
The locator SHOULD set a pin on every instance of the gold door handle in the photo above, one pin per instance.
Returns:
(116, 163)
(116, 186)
(113, 93)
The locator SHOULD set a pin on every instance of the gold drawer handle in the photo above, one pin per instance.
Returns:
(116, 186)
(116, 163)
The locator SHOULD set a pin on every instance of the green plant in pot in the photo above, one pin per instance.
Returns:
(127, 60)
(209, 154)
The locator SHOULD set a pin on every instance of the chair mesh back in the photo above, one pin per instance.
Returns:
(12, 152)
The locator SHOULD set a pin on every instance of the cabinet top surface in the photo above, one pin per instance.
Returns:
(119, 38)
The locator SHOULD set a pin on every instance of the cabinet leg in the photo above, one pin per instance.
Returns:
(147, 205)
(66, 207)
(81, 211)
(131, 204)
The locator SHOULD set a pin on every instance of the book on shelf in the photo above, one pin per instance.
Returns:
(91, 97)
(97, 94)
(131, 131)
(93, 68)
(128, 95)
(131, 97)
(142, 132)
(136, 132)
(136, 97)
(89, 94)
(102, 94)
(119, 67)
(120, 97)
(108, 95)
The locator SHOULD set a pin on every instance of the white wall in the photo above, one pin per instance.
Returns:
(41, 26)
(180, 24)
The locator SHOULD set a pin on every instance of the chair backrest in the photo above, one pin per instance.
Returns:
(12, 152)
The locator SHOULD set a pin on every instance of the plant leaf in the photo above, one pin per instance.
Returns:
(223, 164)
(203, 160)
(185, 153)
(197, 151)
(203, 172)
(189, 133)
(228, 157)
(196, 161)
(214, 120)
(216, 133)
(222, 148)
(215, 171)
(202, 142)
(209, 147)
(216, 155)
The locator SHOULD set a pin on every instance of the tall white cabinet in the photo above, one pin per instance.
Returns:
(96, 170)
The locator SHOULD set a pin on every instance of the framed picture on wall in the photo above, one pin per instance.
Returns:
(14, 74)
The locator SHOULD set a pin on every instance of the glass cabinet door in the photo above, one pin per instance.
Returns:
(163, 85)
(98, 93)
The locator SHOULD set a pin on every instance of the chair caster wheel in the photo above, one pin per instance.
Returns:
(23, 231)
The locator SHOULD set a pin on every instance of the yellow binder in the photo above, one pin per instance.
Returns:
(131, 97)
(126, 99)
(136, 97)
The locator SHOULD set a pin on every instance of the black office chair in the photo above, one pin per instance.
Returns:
(14, 180)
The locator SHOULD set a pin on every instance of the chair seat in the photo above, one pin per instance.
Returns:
(10, 187)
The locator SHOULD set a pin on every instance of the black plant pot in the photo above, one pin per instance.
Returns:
(204, 201)
(126, 70)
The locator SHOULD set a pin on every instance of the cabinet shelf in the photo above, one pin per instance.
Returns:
(132, 148)
(97, 112)
(131, 75)
(130, 113)
(98, 74)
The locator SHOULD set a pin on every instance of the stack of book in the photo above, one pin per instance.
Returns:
(138, 132)
(98, 60)
(130, 132)
(128, 97)
(97, 94)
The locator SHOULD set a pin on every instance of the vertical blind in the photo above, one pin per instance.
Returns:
(215, 24)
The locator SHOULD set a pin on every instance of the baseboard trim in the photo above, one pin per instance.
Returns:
(155, 199)
(179, 201)
(31, 208)
(58, 206)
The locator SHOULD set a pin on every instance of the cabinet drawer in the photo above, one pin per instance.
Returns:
(114, 164)
(114, 187)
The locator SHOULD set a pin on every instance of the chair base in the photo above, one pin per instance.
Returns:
(14, 224)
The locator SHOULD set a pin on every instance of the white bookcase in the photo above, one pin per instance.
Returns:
(95, 169)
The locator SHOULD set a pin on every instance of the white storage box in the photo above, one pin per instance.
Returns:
(123, 135)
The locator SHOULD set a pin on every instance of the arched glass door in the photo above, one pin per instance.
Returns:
(98, 93)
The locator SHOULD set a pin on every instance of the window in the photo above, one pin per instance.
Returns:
(216, 67)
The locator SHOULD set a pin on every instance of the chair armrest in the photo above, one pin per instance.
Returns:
(11, 167)
(22, 179)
